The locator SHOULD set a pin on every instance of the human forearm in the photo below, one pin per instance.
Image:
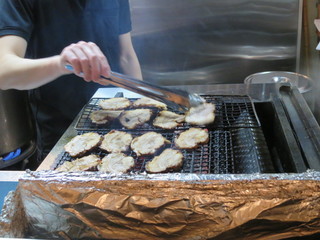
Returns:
(129, 62)
(17, 72)
(20, 73)
(131, 66)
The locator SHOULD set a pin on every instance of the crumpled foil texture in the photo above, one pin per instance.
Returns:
(12, 219)
(176, 206)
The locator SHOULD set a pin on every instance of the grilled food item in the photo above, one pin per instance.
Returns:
(149, 102)
(104, 116)
(148, 143)
(116, 163)
(115, 103)
(131, 119)
(201, 115)
(86, 163)
(81, 144)
(192, 138)
(116, 141)
(169, 159)
(168, 120)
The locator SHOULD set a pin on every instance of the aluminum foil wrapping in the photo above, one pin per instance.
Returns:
(13, 222)
(177, 206)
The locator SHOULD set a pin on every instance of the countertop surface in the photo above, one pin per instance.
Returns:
(8, 182)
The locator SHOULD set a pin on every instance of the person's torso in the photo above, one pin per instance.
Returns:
(58, 23)
(49, 26)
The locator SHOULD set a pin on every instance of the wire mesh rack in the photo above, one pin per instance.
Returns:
(231, 112)
(236, 141)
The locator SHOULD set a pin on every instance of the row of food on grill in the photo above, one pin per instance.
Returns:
(117, 108)
(117, 143)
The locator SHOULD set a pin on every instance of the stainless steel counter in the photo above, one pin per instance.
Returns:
(283, 97)
(300, 116)
(258, 92)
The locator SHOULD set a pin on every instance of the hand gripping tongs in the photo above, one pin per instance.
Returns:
(176, 99)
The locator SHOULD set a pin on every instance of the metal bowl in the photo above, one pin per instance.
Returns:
(302, 82)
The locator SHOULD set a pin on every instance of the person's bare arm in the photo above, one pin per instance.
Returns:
(17, 72)
(129, 62)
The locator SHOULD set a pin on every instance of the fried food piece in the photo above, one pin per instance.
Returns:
(201, 115)
(168, 120)
(116, 141)
(191, 138)
(148, 143)
(116, 163)
(104, 116)
(86, 163)
(81, 144)
(169, 159)
(115, 103)
(131, 119)
(149, 102)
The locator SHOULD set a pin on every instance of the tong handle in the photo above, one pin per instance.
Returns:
(176, 99)
(148, 89)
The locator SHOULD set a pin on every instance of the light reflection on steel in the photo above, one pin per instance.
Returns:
(207, 42)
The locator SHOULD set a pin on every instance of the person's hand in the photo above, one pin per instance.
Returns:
(87, 60)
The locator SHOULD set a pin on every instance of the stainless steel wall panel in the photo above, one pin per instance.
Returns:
(214, 41)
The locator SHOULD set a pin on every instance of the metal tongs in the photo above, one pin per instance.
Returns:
(176, 99)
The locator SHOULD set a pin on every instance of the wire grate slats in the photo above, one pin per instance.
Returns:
(236, 141)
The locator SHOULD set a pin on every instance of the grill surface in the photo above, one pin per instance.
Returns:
(236, 143)
(231, 112)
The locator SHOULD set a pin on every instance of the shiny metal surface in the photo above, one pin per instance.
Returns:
(177, 99)
(303, 121)
(258, 92)
(220, 41)
(302, 82)
(16, 125)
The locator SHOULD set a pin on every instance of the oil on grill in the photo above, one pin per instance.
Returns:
(236, 141)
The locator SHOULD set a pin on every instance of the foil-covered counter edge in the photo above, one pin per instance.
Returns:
(178, 206)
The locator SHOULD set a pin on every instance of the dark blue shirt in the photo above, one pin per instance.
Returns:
(51, 25)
